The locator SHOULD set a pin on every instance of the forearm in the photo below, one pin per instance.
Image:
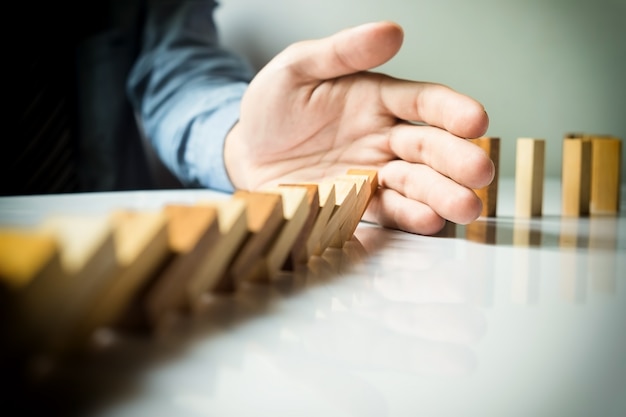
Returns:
(186, 90)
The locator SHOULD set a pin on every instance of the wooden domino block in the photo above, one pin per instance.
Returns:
(364, 196)
(141, 248)
(326, 192)
(489, 194)
(576, 176)
(298, 253)
(529, 177)
(605, 174)
(193, 231)
(264, 220)
(345, 200)
(26, 254)
(347, 227)
(372, 175)
(50, 308)
(233, 228)
(295, 213)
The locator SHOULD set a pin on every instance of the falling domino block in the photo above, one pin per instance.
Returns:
(232, 221)
(529, 177)
(298, 254)
(25, 255)
(295, 212)
(326, 192)
(263, 222)
(192, 233)
(576, 176)
(606, 156)
(489, 194)
(51, 307)
(347, 227)
(364, 196)
(141, 248)
(345, 200)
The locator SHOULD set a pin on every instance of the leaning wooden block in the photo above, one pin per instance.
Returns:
(576, 176)
(141, 248)
(605, 174)
(295, 213)
(298, 253)
(233, 229)
(345, 200)
(193, 231)
(51, 307)
(529, 177)
(326, 192)
(489, 194)
(363, 194)
(26, 254)
(264, 220)
(372, 175)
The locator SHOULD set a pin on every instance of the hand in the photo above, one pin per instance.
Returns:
(315, 110)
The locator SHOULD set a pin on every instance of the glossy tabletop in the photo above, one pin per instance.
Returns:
(506, 317)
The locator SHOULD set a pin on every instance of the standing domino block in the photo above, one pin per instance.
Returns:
(605, 174)
(529, 177)
(489, 194)
(576, 176)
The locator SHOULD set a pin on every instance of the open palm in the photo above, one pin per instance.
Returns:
(315, 110)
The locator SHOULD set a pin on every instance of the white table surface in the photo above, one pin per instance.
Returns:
(530, 323)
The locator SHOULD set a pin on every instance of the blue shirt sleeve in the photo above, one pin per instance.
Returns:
(186, 90)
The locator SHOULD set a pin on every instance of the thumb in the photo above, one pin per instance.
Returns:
(351, 50)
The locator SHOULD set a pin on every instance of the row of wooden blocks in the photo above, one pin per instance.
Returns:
(70, 276)
(590, 178)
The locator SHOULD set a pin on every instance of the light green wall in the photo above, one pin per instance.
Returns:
(541, 68)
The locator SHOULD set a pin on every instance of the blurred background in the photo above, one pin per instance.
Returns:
(542, 68)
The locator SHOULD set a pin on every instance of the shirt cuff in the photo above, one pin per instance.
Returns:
(204, 155)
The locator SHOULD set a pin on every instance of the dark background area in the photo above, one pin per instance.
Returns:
(72, 129)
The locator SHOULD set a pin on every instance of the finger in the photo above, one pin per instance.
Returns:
(456, 158)
(346, 52)
(436, 105)
(391, 209)
(445, 197)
